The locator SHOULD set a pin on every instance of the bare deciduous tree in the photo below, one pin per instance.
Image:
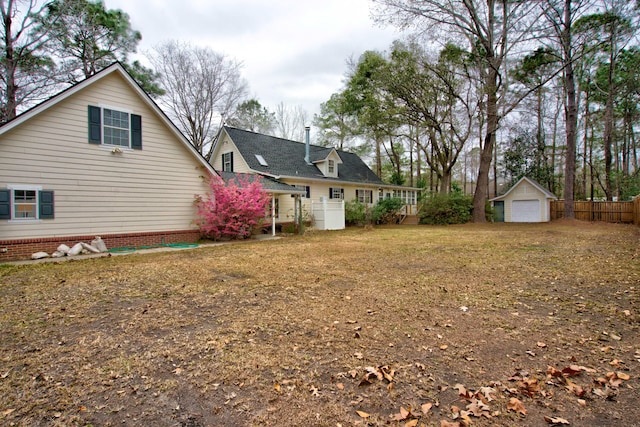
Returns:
(491, 28)
(202, 88)
(290, 122)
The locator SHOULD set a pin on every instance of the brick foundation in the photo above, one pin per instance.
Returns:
(21, 249)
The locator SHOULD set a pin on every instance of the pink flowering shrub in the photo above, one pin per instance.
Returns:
(232, 210)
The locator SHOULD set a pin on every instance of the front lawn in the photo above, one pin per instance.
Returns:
(495, 325)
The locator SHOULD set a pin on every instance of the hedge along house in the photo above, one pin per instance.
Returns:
(323, 174)
(526, 201)
(98, 159)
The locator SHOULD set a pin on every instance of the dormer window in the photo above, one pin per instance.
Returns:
(332, 167)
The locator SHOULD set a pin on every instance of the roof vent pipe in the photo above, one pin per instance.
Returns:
(306, 141)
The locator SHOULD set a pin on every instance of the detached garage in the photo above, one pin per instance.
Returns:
(526, 201)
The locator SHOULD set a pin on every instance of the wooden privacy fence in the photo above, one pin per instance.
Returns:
(621, 212)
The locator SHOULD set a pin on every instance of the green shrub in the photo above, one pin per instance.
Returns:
(355, 213)
(453, 208)
(387, 211)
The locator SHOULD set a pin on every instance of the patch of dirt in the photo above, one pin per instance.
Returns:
(495, 325)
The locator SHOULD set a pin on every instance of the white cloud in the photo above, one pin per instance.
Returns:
(293, 51)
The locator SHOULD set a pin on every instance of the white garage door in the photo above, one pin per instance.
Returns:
(525, 211)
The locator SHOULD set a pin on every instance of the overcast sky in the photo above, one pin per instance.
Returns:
(293, 51)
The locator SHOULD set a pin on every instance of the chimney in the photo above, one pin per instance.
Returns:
(306, 141)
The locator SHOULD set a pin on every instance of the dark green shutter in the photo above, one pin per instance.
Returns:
(95, 125)
(330, 193)
(46, 204)
(342, 194)
(308, 189)
(5, 204)
(231, 162)
(136, 132)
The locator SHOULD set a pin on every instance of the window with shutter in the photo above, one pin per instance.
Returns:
(227, 162)
(112, 127)
(26, 203)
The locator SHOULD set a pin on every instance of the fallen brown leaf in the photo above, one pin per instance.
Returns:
(623, 376)
(363, 414)
(556, 420)
(516, 405)
(426, 407)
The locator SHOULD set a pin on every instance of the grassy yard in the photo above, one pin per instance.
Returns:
(496, 325)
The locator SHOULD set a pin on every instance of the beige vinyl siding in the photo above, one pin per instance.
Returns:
(96, 191)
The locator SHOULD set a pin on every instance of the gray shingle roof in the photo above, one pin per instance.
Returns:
(286, 158)
(269, 184)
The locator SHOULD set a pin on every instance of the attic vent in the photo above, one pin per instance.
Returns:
(261, 159)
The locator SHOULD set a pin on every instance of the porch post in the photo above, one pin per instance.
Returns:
(300, 226)
(273, 214)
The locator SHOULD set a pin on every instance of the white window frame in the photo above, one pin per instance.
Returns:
(228, 161)
(337, 193)
(304, 188)
(104, 126)
(364, 196)
(12, 189)
(331, 167)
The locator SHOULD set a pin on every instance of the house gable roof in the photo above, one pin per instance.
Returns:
(285, 158)
(537, 186)
(117, 68)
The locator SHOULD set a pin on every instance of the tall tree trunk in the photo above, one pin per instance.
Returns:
(411, 165)
(486, 155)
(634, 152)
(418, 161)
(608, 133)
(587, 120)
(626, 147)
(9, 106)
(495, 170)
(554, 147)
(378, 158)
(571, 115)
(445, 182)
